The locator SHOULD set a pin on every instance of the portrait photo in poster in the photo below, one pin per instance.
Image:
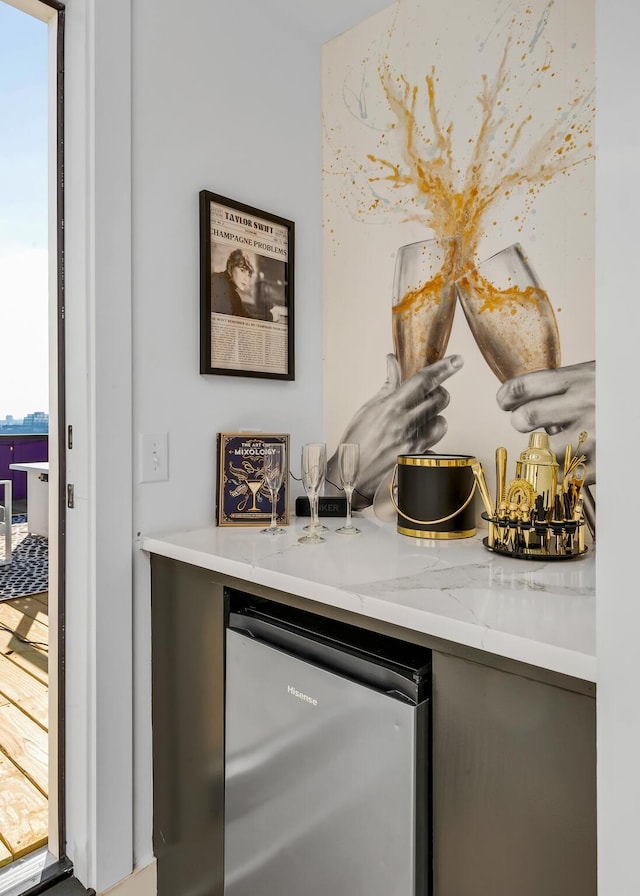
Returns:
(458, 165)
(246, 290)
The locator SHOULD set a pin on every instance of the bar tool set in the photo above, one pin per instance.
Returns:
(539, 515)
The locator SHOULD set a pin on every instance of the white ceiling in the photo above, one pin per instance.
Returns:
(324, 19)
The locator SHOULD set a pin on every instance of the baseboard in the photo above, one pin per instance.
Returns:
(142, 882)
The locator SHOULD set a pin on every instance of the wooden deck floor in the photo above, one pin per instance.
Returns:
(24, 642)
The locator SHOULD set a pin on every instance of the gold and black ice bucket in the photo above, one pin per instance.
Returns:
(435, 495)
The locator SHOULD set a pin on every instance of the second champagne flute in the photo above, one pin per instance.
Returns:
(349, 467)
(510, 315)
(314, 467)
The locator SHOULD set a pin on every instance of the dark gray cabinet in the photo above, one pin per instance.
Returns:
(187, 632)
(514, 806)
(514, 783)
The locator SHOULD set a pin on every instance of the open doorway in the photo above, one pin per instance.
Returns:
(30, 420)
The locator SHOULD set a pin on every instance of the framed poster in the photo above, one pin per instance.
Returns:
(242, 494)
(246, 290)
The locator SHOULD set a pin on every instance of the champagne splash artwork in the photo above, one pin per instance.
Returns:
(419, 172)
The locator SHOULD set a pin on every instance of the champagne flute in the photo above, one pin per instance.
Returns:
(424, 302)
(314, 467)
(273, 467)
(349, 467)
(320, 527)
(510, 315)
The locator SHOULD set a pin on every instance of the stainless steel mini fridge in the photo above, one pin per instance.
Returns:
(327, 758)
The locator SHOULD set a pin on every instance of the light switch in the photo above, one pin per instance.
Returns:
(154, 457)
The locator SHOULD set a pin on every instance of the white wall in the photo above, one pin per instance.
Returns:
(225, 97)
(618, 330)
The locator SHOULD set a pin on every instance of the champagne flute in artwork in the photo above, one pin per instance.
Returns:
(273, 468)
(349, 468)
(314, 468)
(510, 315)
(424, 302)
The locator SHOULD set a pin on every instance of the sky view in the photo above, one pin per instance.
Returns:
(23, 213)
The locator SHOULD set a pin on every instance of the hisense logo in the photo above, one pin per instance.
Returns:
(305, 697)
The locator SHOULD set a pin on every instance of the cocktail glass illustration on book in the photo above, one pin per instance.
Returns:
(254, 486)
(349, 469)
(510, 315)
(273, 467)
(314, 468)
(424, 302)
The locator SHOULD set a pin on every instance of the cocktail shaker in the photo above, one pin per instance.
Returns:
(539, 466)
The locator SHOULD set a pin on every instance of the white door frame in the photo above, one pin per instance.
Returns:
(98, 373)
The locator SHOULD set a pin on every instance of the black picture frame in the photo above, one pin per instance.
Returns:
(246, 290)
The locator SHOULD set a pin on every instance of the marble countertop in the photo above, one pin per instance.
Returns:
(542, 613)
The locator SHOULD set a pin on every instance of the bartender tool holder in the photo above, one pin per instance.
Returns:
(539, 516)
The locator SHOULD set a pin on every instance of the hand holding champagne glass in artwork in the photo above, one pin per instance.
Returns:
(562, 401)
(512, 320)
(273, 467)
(349, 469)
(401, 418)
(314, 468)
